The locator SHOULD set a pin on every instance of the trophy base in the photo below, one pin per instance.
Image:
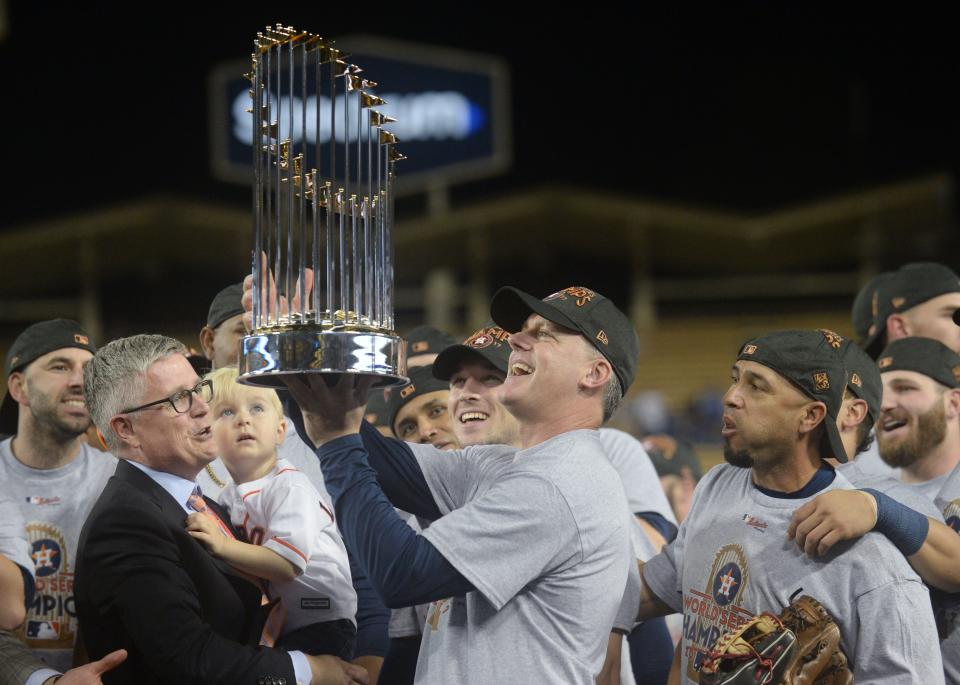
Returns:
(265, 358)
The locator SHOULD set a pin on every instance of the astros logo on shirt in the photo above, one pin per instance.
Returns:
(51, 618)
(717, 609)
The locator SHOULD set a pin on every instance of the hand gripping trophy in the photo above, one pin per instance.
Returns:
(323, 216)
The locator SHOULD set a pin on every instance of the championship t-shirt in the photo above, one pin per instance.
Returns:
(54, 503)
(732, 559)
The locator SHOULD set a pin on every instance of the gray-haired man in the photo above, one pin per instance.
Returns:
(142, 582)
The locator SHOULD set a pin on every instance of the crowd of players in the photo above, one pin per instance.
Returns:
(477, 525)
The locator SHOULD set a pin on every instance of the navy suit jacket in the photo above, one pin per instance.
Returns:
(144, 585)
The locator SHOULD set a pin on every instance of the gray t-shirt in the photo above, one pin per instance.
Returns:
(732, 559)
(54, 504)
(929, 488)
(948, 606)
(13, 534)
(641, 484)
(889, 485)
(872, 463)
(542, 534)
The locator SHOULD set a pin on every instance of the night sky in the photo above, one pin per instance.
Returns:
(747, 109)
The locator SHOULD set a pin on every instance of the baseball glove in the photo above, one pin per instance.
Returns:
(801, 646)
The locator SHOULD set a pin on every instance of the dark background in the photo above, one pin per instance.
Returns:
(746, 108)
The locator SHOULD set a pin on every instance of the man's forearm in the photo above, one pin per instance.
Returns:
(12, 601)
(404, 567)
(938, 559)
(651, 606)
(257, 561)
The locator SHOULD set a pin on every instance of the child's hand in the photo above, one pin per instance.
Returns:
(202, 528)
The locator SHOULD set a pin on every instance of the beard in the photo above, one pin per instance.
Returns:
(929, 432)
(44, 410)
(739, 458)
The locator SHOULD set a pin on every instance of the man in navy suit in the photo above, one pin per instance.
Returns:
(142, 583)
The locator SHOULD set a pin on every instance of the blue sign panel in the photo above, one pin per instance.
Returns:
(451, 109)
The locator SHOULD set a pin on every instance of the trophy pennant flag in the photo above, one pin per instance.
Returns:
(323, 216)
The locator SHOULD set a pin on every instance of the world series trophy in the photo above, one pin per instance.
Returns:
(322, 247)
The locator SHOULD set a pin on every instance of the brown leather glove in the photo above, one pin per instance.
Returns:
(799, 647)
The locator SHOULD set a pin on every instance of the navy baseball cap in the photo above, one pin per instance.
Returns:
(579, 309)
(488, 343)
(811, 361)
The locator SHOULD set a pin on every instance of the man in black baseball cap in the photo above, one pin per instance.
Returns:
(810, 364)
(583, 311)
(507, 519)
(33, 343)
(417, 412)
(780, 421)
(49, 469)
(220, 337)
(918, 299)
(919, 427)
(474, 370)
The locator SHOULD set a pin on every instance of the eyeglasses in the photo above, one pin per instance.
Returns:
(181, 401)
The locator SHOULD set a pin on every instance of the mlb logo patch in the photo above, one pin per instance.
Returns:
(43, 630)
(821, 380)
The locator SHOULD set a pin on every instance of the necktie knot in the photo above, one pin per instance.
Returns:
(195, 501)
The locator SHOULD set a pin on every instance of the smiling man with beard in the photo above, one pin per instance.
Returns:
(919, 427)
(51, 472)
(732, 558)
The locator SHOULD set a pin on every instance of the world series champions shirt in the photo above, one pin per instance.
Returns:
(732, 559)
(54, 504)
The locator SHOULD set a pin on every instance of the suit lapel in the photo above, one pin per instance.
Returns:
(171, 509)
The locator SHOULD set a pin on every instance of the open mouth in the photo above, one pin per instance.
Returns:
(890, 425)
(727, 427)
(472, 416)
(246, 437)
(520, 369)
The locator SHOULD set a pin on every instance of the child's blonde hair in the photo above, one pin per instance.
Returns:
(226, 388)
